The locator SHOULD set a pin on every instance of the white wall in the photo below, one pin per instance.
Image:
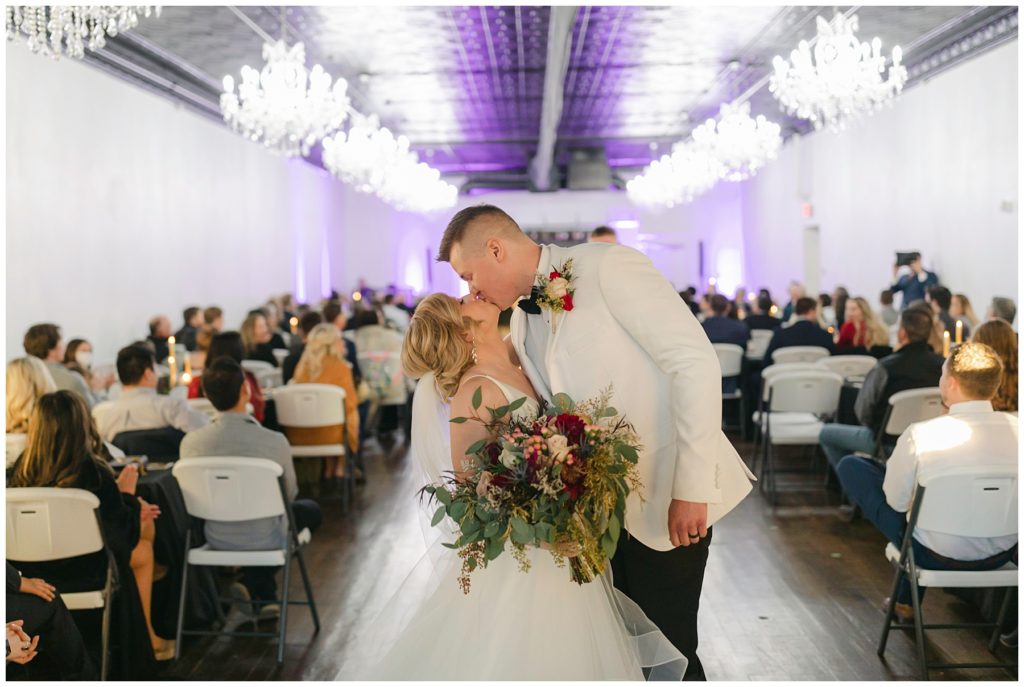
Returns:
(122, 205)
(931, 174)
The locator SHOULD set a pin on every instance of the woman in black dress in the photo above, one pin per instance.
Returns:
(64, 450)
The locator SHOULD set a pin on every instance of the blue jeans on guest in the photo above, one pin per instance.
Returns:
(841, 440)
(862, 481)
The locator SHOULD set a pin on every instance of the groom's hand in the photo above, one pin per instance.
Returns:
(686, 518)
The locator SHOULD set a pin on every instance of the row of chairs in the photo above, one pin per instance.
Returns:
(50, 524)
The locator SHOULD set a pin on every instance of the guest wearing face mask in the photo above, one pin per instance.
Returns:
(78, 358)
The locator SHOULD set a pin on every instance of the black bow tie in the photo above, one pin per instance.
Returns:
(529, 305)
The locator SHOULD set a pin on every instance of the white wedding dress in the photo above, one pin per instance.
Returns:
(538, 625)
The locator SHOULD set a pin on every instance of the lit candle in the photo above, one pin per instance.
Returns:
(945, 344)
(294, 322)
(170, 343)
(774, 310)
(357, 296)
(959, 331)
(186, 379)
(173, 365)
(188, 369)
(831, 330)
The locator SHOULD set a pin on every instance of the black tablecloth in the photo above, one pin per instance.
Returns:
(160, 488)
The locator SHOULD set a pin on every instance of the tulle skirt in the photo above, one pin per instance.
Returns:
(538, 625)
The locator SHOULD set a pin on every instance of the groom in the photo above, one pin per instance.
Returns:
(626, 327)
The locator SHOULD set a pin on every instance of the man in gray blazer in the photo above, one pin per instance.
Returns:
(236, 433)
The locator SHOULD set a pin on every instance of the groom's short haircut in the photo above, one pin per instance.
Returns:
(457, 227)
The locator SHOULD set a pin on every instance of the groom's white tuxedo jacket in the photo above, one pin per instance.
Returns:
(629, 328)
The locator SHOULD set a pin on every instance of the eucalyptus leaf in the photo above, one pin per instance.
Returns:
(459, 509)
(563, 401)
(517, 404)
(478, 397)
(469, 526)
(444, 496)
(545, 532)
(458, 420)
(438, 516)
(609, 412)
(477, 445)
(492, 528)
(449, 546)
(494, 548)
(522, 533)
(614, 527)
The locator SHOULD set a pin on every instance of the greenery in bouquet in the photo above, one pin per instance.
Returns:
(559, 481)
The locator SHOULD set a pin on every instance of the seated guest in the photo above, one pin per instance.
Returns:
(839, 298)
(44, 615)
(972, 435)
(159, 332)
(761, 318)
(1001, 309)
(722, 329)
(941, 299)
(796, 292)
(203, 339)
(323, 362)
(804, 332)
(861, 329)
(603, 235)
(213, 317)
(960, 308)
(913, 366)
(826, 311)
(393, 314)
(229, 344)
(333, 313)
(27, 381)
(193, 318)
(257, 338)
(306, 324)
(139, 406)
(887, 313)
(64, 451)
(234, 433)
(44, 342)
(78, 358)
(1000, 336)
(705, 307)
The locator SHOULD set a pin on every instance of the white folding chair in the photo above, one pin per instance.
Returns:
(730, 359)
(849, 366)
(799, 354)
(814, 394)
(236, 489)
(280, 354)
(758, 344)
(762, 399)
(906, 408)
(317, 405)
(971, 501)
(266, 374)
(49, 524)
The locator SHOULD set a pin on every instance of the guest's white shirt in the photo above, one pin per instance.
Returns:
(143, 408)
(398, 316)
(971, 434)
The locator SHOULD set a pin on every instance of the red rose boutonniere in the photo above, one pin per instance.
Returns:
(557, 289)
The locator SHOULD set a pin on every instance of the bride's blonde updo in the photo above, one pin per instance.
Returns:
(435, 343)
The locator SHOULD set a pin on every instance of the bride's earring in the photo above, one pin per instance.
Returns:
(475, 361)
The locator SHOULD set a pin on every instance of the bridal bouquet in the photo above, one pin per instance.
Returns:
(559, 481)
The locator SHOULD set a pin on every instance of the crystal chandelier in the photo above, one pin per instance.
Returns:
(741, 144)
(373, 160)
(677, 178)
(69, 30)
(275, 107)
(843, 80)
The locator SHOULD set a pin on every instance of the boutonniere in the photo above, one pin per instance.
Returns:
(556, 289)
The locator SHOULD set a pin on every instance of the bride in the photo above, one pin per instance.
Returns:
(512, 625)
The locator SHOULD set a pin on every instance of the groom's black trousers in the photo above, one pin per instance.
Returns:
(666, 585)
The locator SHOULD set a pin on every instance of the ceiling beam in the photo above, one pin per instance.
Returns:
(559, 45)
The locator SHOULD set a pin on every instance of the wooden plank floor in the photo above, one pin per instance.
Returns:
(790, 594)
